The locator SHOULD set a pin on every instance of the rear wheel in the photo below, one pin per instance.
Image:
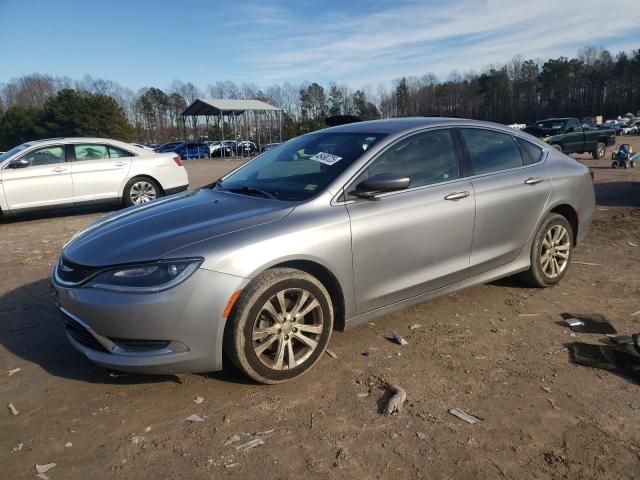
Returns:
(557, 147)
(280, 325)
(141, 190)
(551, 252)
(599, 151)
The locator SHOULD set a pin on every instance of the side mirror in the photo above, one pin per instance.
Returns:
(19, 163)
(382, 183)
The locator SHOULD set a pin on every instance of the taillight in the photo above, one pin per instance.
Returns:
(178, 161)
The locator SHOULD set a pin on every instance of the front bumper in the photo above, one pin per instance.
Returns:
(174, 331)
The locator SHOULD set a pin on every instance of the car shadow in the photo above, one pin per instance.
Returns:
(31, 328)
(617, 194)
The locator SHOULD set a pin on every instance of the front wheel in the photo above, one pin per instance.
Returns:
(551, 252)
(280, 325)
(141, 190)
(599, 151)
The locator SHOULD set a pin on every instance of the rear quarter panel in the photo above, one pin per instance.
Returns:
(161, 167)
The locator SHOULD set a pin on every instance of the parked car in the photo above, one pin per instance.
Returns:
(568, 136)
(216, 149)
(247, 148)
(189, 150)
(167, 147)
(142, 145)
(629, 129)
(67, 172)
(268, 146)
(329, 230)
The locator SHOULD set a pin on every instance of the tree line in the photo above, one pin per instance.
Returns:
(594, 82)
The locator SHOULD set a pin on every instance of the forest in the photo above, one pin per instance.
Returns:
(594, 82)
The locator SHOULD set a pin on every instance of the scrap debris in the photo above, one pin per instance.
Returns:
(231, 439)
(256, 442)
(198, 400)
(45, 468)
(462, 415)
(395, 336)
(623, 358)
(396, 400)
(590, 264)
(331, 353)
(415, 326)
(195, 418)
(14, 371)
(588, 323)
(12, 409)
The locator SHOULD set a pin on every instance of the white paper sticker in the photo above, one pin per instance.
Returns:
(326, 158)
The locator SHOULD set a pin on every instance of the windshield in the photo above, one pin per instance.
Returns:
(553, 124)
(13, 151)
(300, 168)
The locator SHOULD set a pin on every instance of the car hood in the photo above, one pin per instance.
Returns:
(148, 232)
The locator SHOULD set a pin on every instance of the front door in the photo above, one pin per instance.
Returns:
(410, 242)
(99, 171)
(45, 182)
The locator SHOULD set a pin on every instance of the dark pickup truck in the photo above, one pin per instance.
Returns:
(568, 136)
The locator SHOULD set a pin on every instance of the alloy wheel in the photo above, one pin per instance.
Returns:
(287, 329)
(554, 256)
(601, 151)
(142, 192)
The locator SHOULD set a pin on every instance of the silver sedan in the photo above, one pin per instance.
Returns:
(327, 230)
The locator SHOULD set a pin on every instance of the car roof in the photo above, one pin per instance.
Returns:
(116, 143)
(399, 125)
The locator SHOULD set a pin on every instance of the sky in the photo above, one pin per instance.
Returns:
(140, 43)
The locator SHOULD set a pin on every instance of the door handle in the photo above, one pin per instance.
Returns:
(59, 169)
(457, 195)
(533, 180)
(120, 164)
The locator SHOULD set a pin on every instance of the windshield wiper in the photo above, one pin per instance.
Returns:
(249, 190)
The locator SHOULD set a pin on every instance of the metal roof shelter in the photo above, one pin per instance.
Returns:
(247, 117)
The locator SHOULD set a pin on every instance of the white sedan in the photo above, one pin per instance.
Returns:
(67, 172)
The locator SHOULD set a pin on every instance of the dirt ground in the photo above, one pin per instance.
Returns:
(495, 351)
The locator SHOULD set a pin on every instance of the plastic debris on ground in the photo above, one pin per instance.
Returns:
(198, 400)
(462, 415)
(398, 339)
(623, 358)
(398, 397)
(68, 445)
(584, 323)
(195, 418)
(331, 353)
(45, 468)
(415, 326)
(14, 371)
(13, 409)
(421, 435)
(231, 439)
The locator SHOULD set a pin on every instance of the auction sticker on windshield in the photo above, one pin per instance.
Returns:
(325, 158)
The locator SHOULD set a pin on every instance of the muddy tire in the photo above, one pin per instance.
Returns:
(551, 252)
(599, 151)
(280, 325)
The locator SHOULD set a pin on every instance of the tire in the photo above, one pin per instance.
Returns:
(258, 357)
(557, 147)
(614, 164)
(141, 190)
(542, 274)
(599, 151)
(633, 164)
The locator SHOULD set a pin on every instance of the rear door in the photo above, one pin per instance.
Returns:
(413, 241)
(46, 182)
(98, 171)
(512, 185)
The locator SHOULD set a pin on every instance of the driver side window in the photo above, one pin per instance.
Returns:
(45, 156)
(426, 158)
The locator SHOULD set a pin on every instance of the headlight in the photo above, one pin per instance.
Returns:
(146, 278)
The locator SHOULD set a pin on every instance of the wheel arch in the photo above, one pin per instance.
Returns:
(327, 278)
(568, 212)
(142, 175)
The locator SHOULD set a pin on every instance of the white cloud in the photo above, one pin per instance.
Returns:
(416, 38)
